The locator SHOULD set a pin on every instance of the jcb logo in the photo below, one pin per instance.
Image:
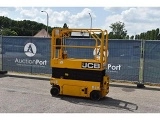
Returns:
(91, 65)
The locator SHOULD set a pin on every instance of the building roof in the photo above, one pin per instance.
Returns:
(42, 33)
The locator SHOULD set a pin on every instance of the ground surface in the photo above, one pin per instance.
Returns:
(26, 95)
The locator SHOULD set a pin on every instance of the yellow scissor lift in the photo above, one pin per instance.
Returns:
(79, 76)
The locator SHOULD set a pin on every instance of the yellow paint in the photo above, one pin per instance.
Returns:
(76, 87)
(60, 59)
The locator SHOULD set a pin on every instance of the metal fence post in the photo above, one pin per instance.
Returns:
(140, 83)
(1, 53)
(1, 56)
(31, 41)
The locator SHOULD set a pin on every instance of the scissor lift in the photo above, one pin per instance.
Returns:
(78, 68)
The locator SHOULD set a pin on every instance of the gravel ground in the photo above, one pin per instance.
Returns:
(26, 95)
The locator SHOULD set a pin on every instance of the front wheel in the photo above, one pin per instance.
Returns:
(95, 95)
(55, 91)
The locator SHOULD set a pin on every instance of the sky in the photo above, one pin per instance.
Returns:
(137, 19)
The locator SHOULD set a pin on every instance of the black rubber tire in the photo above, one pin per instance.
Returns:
(55, 91)
(95, 95)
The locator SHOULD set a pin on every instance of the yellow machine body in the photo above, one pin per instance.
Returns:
(82, 77)
(81, 88)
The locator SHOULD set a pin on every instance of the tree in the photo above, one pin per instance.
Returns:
(23, 27)
(157, 35)
(148, 35)
(8, 32)
(65, 25)
(153, 34)
(127, 37)
(118, 30)
(110, 36)
(132, 37)
(136, 37)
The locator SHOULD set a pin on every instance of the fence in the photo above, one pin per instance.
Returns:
(130, 60)
(152, 61)
(26, 54)
(1, 53)
(124, 59)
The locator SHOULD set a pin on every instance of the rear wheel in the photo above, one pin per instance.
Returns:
(55, 91)
(95, 95)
